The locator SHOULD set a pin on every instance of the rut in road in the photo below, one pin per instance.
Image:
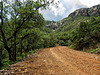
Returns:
(56, 61)
(69, 67)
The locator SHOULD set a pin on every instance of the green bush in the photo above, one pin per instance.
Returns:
(86, 35)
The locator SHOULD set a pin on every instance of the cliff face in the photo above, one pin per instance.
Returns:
(53, 25)
(93, 11)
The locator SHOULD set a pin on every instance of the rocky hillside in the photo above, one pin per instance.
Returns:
(52, 24)
(74, 19)
(93, 11)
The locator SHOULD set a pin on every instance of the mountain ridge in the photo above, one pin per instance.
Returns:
(83, 12)
(92, 11)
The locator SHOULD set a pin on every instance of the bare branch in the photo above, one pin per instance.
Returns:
(41, 6)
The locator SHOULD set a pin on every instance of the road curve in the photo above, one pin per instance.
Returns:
(56, 61)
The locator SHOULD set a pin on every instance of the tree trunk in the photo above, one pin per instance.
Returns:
(12, 57)
(3, 34)
(10, 54)
(14, 48)
(21, 48)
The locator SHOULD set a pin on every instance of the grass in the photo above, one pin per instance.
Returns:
(96, 51)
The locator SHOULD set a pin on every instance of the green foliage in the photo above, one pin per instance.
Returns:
(23, 55)
(92, 51)
(79, 32)
(49, 40)
(61, 42)
(2, 56)
(20, 28)
(86, 34)
(71, 23)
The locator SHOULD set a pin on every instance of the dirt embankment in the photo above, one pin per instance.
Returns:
(57, 61)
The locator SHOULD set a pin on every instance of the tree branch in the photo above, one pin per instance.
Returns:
(24, 20)
(22, 38)
(18, 28)
(41, 6)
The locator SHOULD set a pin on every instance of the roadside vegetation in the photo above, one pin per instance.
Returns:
(81, 35)
(23, 31)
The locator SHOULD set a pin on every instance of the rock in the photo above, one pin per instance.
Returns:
(12, 72)
(93, 11)
(5, 73)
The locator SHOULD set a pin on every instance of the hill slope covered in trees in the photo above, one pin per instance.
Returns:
(80, 31)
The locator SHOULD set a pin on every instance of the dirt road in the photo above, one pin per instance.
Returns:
(57, 61)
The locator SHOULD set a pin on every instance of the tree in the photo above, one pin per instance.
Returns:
(18, 22)
(86, 35)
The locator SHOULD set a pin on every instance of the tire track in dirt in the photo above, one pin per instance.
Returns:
(92, 58)
(88, 65)
(75, 70)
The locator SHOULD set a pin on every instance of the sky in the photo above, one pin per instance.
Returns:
(65, 7)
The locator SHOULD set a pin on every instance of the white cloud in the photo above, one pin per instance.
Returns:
(72, 5)
(58, 10)
(65, 7)
(90, 3)
(54, 11)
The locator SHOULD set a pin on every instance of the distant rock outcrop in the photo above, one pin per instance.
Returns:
(53, 25)
(93, 11)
